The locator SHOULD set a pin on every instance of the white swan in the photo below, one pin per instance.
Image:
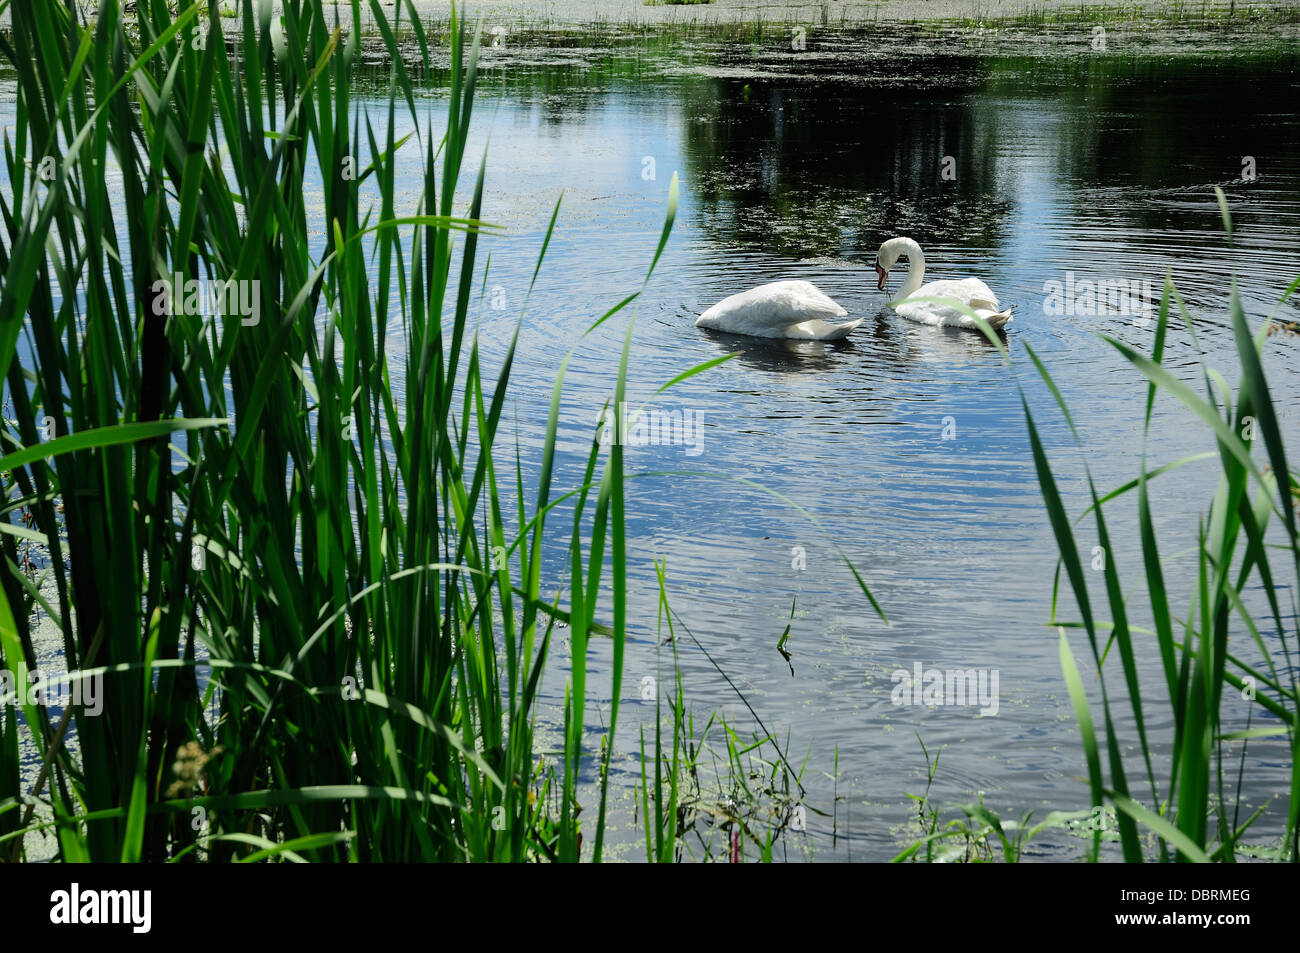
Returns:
(782, 309)
(971, 292)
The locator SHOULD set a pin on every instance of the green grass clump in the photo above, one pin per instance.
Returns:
(287, 546)
(1250, 537)
(1248, 540)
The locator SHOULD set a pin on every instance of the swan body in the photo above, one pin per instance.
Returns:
(781, 309)
(971, 292)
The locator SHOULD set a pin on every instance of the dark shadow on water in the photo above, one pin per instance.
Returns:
(783, 355)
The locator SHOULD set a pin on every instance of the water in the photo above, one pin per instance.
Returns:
(1101, 169)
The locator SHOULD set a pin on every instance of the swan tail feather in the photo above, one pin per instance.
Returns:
(819, 330)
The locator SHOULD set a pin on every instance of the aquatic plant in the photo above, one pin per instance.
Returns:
(1248, 540)
(280, 532)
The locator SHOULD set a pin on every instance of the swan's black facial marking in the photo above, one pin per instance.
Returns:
(883, 275)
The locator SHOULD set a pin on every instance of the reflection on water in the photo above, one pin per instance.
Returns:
(781, 355)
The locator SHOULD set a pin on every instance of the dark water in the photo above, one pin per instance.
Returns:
(903, 448)
(1100, 168)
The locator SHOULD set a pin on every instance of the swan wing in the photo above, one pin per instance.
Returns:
(771, 310)
(970, 292)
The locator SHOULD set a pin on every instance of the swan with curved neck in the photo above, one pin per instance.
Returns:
(969, 292)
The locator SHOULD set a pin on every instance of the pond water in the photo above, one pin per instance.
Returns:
(907, 445)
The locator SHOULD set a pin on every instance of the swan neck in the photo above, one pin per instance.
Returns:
(915, 268)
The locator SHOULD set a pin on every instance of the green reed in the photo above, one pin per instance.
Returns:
(265, 500)
(1247, 539)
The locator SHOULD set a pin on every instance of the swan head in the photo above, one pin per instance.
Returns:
(888, 254)
(886, 258)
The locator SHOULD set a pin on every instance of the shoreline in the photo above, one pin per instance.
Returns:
(857, 12)
(535, 31)
(845, 14)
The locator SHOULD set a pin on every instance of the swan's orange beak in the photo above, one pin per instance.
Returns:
(880, 285)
